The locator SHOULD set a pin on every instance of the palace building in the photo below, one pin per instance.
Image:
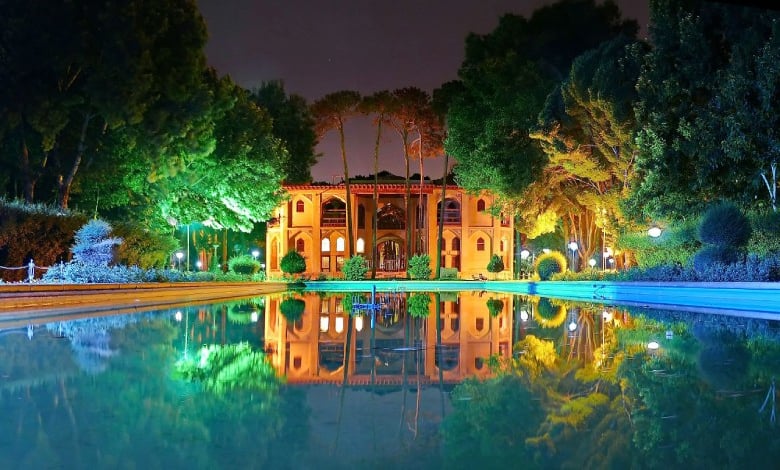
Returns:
(313, 222)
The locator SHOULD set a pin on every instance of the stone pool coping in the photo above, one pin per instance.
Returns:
(24, 301)
(750, 299)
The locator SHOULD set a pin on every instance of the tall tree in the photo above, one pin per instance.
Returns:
(506, 77)
(331, 113)
(381, 104)
(587, 132)
(294, 125)
(407, 114)
(706, 83)
(107, 65)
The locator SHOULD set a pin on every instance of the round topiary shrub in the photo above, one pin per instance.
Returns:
(725, 225)
(244, 264)
(550, 263)
(420, 267)
(495, 306)
(711, 255)
(293, 263)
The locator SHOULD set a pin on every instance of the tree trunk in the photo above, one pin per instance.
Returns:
(64, 184)
(440, 211)
(350, 234)
(374, 218)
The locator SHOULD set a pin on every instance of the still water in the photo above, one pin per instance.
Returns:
(292, 381)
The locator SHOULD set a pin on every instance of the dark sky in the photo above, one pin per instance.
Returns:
(320, 46)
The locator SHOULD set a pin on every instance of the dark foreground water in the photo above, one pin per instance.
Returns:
(291, 381)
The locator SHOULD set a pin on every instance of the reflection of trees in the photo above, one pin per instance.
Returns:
(489, 424)
(133, 415)
(222, 369)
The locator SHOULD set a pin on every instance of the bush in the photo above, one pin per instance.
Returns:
(550, 263)
(293, 263)
(93, 246)
(677, 244)
(355, 268)
(448, 273)
(496, 264)
(43, 233)
(723, 224)
(143, 248)
(244, 264)
(420, 267)
(765, 237)
(714, 254)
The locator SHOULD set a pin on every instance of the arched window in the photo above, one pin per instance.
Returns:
(361, 216)
(360, 245)
(456, 244)
(334, 213)
(340, 244)
(300, 245)
(451, 212)
(325, 245)
(480, 244)
(501, 245)
(299, 206)
(481, 205)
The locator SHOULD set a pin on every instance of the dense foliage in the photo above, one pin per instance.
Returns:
(550, 263)
(244, 264)
(355, 268)
(420, 267)
(293, 263)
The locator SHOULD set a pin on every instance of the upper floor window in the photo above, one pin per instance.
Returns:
(334, 213)
(481, 205)
(299, 206)
(480, 244)
(325, 245)
(451, 213)
(456, 244)
(340, 244)
(300, 245)
(360, 245)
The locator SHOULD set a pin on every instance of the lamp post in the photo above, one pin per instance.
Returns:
(524, 255)
(179, 256)
(655, 231)
(573, 247)
(592, 263)
(255, 254)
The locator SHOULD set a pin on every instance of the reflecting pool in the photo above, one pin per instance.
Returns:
(404, 380)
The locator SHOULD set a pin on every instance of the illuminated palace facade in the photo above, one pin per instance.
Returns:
(313, 222)
(328, 345)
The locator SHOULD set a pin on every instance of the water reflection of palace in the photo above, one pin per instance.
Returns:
(328, 345)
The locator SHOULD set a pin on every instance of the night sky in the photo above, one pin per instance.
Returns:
(318, 47)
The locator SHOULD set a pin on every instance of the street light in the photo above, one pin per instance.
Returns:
(573, 247)
(255, 253)
(179, 256)
(592, 263)
(654, 231)
(199, 264)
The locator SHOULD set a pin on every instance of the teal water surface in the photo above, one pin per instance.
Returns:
(453, 380)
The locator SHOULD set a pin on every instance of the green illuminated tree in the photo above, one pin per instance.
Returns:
(84, 74)
(506, 78)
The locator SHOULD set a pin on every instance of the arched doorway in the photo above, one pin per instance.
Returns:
(390, 255)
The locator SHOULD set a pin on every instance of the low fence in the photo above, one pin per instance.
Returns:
(30, 268)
